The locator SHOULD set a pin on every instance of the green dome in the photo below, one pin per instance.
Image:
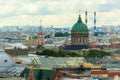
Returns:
(79, 25)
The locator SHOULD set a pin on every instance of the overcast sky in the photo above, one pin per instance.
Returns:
(59, 13)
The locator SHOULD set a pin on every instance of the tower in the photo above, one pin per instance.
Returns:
(79, 33)
(95, 33)
(86, 17)
(94, 23)
(40, 36)
(31, 74)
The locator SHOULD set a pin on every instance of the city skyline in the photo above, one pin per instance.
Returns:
(58, 13)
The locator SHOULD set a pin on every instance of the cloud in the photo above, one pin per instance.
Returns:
(109, 5)
(59, 13)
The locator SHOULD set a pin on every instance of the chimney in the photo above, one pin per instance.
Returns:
(86, 17)
(94, 21)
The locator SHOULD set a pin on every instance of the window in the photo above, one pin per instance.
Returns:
(5, 60)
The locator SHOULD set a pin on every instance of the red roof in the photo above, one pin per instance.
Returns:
(99, 72)
(112, 74)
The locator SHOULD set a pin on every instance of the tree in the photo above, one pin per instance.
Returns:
(60, 34)
(73, 54)
(60, 53)
(96, 53)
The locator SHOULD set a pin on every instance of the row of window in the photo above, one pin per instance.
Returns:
(80, 40)
(80, 32)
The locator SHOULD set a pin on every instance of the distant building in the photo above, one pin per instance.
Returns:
(40, 39)
(37, 41)
(79, 33)
(79, 36)
(15, 46)
(31, 42)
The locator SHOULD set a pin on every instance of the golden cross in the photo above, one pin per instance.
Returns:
(79, 12)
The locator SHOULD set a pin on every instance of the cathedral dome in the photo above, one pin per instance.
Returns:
(79, 26)
(5, 60)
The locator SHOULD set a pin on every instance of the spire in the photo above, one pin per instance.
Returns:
(40, 28)
(31, 74)
(79, 18)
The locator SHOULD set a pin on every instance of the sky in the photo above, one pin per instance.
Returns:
(58, 13)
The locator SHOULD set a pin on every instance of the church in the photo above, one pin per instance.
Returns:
(79, 36)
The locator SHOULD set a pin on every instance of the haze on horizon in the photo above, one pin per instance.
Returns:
(59, 13)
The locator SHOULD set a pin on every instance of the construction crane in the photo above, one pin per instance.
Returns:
(31, 74)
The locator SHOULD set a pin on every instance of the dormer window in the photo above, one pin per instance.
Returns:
(5, 61)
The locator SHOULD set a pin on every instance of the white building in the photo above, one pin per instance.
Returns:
(8, 68)
(15, 46)
(5, 60)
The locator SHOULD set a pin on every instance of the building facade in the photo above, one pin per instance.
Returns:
(79, 37)
(79, 33)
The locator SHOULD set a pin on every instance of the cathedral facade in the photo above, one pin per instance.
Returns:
(79, 33)
(79, 36)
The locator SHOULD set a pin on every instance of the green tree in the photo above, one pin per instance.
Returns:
(60, 53)
(60, 34)
(46, 52)
(73, 54)
(96, 53)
